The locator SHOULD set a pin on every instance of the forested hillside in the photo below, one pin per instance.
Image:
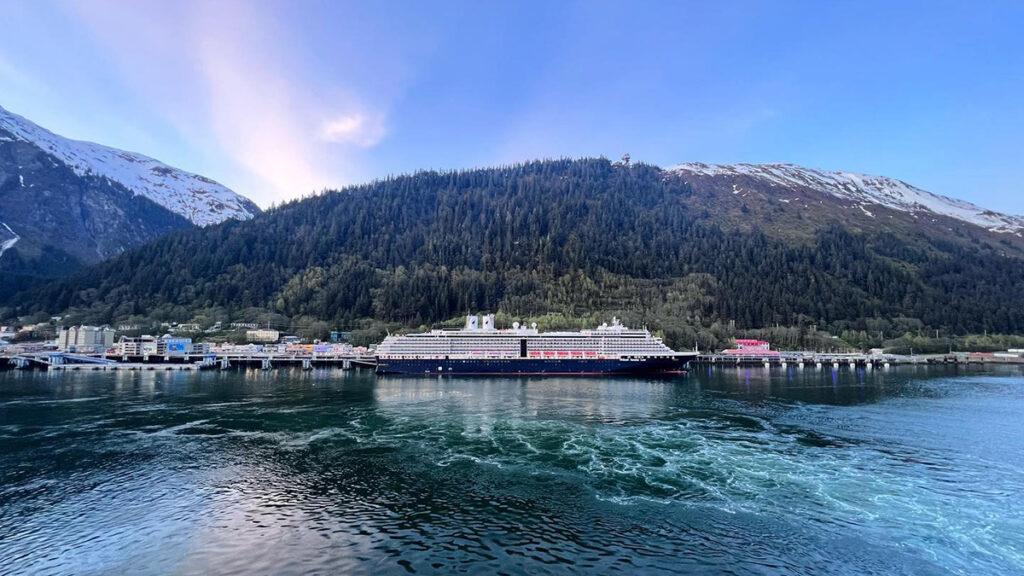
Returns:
(573, 237)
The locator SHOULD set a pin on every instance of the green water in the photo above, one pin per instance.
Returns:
(901, 471)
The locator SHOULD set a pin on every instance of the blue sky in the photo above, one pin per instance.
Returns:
(278, 99)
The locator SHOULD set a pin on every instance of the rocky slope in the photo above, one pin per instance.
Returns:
(200, 200)
(65, 204)
(860, 191)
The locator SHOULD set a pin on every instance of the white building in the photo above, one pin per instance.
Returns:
(85, 338)
(140, 346)
(264, 335)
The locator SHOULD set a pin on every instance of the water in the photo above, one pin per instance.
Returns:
(901, 471)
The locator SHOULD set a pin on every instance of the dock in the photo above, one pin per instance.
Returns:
(64, 361)
(122, 366)
(835, 360)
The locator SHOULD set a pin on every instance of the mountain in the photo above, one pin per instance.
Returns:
(858, 191)
(66, 203)
(684, 250)
(201, 200)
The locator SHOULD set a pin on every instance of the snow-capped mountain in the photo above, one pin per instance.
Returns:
(66, 204)
(859, 189)
(200, 200)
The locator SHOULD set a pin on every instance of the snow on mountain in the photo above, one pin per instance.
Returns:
(195, 197)
(863, 190)
(7, 238)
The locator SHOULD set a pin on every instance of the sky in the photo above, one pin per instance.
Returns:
(281, 99)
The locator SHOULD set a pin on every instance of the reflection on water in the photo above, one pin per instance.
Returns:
(909, 470)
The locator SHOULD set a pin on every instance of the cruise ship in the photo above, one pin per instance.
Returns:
(481, 348)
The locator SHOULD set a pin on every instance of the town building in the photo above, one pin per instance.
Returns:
(173, 346)
(264, 335)
(136, 346)
(85, 338)
(750, 347)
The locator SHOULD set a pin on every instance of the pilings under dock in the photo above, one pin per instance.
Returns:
(60, 361)
(801, 360)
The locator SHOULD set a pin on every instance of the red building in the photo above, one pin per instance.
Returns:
(747, 347)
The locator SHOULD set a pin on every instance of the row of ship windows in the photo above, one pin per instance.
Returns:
(516, 352)
(528, 339)
(565, 356)
(610, 349)
(517, 340)
(516, 345)
(511, 352)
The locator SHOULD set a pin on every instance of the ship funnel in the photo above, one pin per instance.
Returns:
(488, 322)
(472, 322)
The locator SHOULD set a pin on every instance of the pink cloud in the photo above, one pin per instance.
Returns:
(225, 76)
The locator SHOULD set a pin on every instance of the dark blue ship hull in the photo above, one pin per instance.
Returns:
(531, 366)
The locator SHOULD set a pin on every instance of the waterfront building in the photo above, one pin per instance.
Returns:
(169, 345)
(751, 347)
(136, 346)
(85, 338)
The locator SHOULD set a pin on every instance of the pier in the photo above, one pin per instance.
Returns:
(834, 360)
(63, 361)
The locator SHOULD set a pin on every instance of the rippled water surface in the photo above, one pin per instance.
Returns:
(901, 471)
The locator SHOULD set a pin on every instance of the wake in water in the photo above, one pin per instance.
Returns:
(750, 473)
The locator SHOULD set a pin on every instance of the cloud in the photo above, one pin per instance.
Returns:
(357, 128)
(231, 79)
(264, 114)
(252, 107)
